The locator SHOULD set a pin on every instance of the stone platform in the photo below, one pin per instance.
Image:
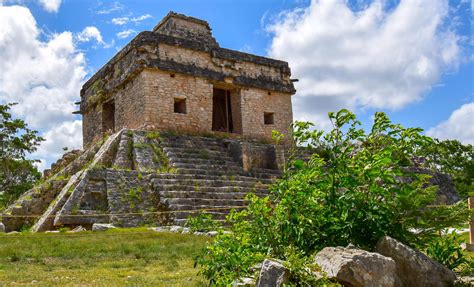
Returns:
(138, 177)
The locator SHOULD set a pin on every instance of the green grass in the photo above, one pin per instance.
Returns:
(125, 257)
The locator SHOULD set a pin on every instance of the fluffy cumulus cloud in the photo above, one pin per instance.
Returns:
(43, 76)
(50, 5)
(90, 33)
(459, 126)
(67, 134)
(370, 58)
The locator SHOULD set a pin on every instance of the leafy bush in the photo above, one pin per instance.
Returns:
(447, 250)
(203, 222)
(355, 189)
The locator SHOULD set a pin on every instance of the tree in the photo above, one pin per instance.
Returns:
(453, 158)
(355, 189)
(17, 172)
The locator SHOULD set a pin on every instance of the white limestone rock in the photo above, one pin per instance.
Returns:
(102, 226)
(2, 227)
(413, 267)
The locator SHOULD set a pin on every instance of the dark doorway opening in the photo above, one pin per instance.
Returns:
(222, 111)
(108, 117)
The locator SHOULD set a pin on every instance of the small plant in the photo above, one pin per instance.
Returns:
(64, 229)
(152, 135)
(447, 250)
(135, 193)
(202, 222)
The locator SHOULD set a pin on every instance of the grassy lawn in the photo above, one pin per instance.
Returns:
(128, 257)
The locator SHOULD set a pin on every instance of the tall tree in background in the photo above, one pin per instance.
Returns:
(17, 173)
(453, 158)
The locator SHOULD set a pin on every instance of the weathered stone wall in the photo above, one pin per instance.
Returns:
(129, 111)
(160, 91)
(255, 103)
(248, 106)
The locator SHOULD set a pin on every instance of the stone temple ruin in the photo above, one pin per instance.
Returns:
(172, 124)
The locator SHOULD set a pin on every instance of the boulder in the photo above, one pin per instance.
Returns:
(102, 226)
(413, 267)
(2, 227)
(356, 267)
(272, 274)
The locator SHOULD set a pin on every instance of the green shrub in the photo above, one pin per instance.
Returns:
(447, 250)
(356, 189)
(202, 222)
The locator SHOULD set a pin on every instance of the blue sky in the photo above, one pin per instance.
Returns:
(412, 59)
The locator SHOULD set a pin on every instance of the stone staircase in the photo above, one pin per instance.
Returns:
(206, 177)
(142, 177)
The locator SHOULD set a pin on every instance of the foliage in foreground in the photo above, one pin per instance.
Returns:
(447, 250)
(355, 189)
(17, 173)
(202, 223)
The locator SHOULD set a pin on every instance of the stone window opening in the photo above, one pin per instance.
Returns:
(268, 118)
(180, 105)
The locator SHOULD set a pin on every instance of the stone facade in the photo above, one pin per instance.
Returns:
(176, 77)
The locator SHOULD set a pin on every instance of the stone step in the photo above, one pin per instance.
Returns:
(171, 177)
(225, 208)
(196, 139)
(182, 216)
(192, 160)
(228, 168)
(179, 156)
(171, 202)
(165, 184)
(195, 150)
(209, 195)
(208, 145)
(197, 188)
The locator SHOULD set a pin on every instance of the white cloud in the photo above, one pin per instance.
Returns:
(90, 33)
(460, 126)
(120, 20)
(372, 58)
(43, 76)
(124, 20)
(108, 8)
(50, 5)
(141, 18)
(67, 134)
(126, 33)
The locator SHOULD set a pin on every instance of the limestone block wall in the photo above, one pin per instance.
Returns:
(129, 104)
(255, 103)
(162, 88)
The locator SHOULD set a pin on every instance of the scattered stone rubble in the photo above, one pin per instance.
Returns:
(392, 265)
